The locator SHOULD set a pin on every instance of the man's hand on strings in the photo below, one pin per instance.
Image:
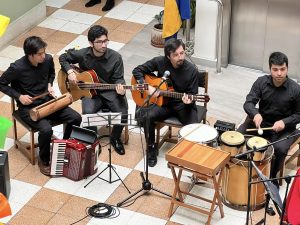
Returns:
(72, 76)
(186, 99)
(120, 89)
(51, 91)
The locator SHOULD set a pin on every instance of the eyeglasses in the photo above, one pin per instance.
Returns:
(100, 42)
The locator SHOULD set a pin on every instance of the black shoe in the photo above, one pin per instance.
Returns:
(271, 211)
(118, 145)
(92, 3)
(108, 5)
(152, 155)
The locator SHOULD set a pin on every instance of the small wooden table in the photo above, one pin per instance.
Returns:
(202, 161)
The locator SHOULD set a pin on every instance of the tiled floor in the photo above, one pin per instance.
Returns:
(36, 199)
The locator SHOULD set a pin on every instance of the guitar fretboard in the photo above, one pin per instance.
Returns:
(178, 95)
(104, 86)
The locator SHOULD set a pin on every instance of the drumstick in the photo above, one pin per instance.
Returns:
(256, 129)
(39, 96)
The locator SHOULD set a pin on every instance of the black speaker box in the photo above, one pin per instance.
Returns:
(4, 174)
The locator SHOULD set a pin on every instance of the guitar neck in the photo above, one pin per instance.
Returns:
(177, 95)
(103, 86)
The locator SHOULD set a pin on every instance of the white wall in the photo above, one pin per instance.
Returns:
(206, 32)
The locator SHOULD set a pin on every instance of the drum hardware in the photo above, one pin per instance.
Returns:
(146, 184)
(250, 162)
(222, 126)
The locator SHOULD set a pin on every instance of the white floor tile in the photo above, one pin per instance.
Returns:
(53, 23)
(64, 185)
(138, 219)
(141, 18)
(124, 10)
(100, 190)
(72, 27)
(123, 218)
(80, 42)
(5, 62)
(64, 14)
(150, 9)
(229, 219)
(86, 18)
(6, 98)
(115, 45)
(12, 52)
(22, 192)
(9, 142)
(56, 3)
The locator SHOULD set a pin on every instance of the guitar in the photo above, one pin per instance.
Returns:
(140, 97)
(87, 85)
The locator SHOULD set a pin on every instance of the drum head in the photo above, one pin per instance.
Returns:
(258, 142)
(198, 132)
(232, 138)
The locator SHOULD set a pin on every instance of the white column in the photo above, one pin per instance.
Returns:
(206, 32)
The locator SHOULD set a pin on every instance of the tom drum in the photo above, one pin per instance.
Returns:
(200, 133)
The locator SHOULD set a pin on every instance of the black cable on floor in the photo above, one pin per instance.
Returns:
(101, 211)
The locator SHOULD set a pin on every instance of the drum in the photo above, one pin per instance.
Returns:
(232, 142)
(235, 183)
(199, 133)
(257, 142)
(50, 107)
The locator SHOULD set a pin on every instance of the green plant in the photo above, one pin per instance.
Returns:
(159, 17)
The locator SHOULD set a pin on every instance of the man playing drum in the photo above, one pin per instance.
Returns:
(184, 77)
(279, 108)
(30, 76)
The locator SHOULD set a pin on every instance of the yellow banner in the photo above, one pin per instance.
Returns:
(4, 21)
(172, 20)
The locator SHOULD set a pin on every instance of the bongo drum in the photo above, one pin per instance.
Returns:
(257, 142)
(199, 133)
(232, 142)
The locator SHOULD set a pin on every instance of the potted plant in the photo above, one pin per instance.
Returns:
(156, 33)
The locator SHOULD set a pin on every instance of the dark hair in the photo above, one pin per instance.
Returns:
(172, 45)
(278, 58)
(33, 44)
(96, 31)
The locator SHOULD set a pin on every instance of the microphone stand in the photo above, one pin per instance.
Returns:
(288, 181)
(146, 185)
(251, 152)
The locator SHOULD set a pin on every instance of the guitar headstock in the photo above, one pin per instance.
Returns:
(201, 98)
(141, 87)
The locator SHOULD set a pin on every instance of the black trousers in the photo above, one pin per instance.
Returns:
(186, 114)
(93, 105)
(67, 116)
(280, 149)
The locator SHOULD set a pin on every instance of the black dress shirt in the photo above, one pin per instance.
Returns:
(184, 79)
(275, 103)
(27, 79)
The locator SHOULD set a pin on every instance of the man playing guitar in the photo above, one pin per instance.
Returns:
(108, 65)
(184, 78)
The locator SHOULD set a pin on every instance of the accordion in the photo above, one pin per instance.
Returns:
(74, 159)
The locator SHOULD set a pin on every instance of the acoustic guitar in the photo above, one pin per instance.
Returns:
(165, 92)
(87, 85)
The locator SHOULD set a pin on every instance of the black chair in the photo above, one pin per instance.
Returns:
(174, 122)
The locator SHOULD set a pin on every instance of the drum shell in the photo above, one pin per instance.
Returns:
(258, 156)
(232, 149)
(235, 183)
(50, 107)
